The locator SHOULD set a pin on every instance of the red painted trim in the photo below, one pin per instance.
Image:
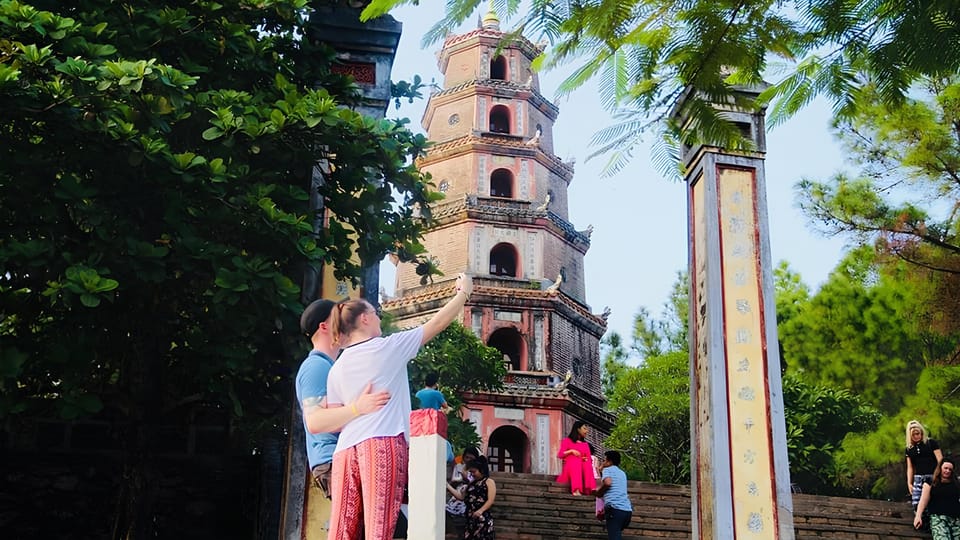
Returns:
(425, 422)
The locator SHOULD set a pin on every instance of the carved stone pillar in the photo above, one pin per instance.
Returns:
(740, 478)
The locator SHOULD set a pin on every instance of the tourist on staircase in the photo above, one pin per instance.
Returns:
(456, 509)
(617, 510)
(479, 496)
(370, 462)
(577, 461)
(430, 397)
(923, 454)
(941, 498)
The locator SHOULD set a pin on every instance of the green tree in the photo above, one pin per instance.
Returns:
(790, 291)
(647, 53)
(614, 362)
(156, 162)
(464, 364)
(652, 403)
(817, 420)
(862, 331)
(652, 400)
(905, 197)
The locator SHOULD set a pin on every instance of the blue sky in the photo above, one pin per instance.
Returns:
(639, 240)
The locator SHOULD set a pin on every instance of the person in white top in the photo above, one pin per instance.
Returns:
(370, 461)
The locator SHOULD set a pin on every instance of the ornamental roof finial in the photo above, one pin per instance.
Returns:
(490, 20)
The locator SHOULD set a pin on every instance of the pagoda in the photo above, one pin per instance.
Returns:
(505, 221)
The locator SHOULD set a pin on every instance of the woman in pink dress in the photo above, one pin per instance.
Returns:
(577, 461)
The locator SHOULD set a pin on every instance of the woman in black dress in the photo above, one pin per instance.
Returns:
(479, 497)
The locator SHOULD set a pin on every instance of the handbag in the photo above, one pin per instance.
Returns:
(600, 509)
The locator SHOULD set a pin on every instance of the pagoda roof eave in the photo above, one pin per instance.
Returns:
(495, 143)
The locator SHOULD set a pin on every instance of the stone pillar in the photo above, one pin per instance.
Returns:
(365, 51)
(740, 478)
(427, 474)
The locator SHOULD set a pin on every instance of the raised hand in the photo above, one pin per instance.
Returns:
(465, 284)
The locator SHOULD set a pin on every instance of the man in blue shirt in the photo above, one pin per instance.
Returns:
(320, 423)
(430, 397)
(613, 488)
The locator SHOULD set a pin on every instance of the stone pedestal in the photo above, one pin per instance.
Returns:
(427, 474)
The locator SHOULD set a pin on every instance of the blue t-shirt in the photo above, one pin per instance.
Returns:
(616, 496)
(312, 382)
(430, 398)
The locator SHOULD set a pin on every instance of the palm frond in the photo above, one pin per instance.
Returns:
(665, 155)
(614, 80)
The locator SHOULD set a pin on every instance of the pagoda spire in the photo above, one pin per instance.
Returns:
(490, 20)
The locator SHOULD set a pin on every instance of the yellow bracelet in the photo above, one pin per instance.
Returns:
(353, 407)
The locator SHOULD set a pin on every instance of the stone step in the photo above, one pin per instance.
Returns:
(536, 507)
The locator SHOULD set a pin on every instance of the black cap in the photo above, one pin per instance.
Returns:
(317, 312)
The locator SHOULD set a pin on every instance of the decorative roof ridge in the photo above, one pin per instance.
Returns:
(510, 141)
(520, 87)
(421, 296)
(522, 41)
(555, 295)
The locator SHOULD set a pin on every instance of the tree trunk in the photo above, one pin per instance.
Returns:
(136, 496)
(134, 514)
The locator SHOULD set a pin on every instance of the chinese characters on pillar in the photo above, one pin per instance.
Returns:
(751, 453)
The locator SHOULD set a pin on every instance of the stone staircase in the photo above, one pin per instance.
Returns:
(535, 507)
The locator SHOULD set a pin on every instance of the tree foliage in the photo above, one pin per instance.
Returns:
(864, 331)
(156, 162)
(647, 53)
(652, 403)
(652, 400)
(905, 198)
(817, 420)
(613, 363)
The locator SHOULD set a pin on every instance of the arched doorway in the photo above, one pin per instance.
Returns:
(501, 183)
(507, 450)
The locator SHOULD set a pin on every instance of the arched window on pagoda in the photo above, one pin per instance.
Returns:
(498, 68)
(510, 344)
(501, 184)
(503, 260)
(500, 119)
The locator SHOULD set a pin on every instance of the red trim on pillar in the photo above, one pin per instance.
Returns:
(362, 72)
(425, 422)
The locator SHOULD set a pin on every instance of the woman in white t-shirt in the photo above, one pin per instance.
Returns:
(370, 461)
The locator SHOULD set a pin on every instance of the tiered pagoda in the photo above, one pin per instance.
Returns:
(505, 221)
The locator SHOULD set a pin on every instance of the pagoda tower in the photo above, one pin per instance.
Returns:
(505, 222)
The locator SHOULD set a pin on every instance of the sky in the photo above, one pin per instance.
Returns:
(639, 241)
